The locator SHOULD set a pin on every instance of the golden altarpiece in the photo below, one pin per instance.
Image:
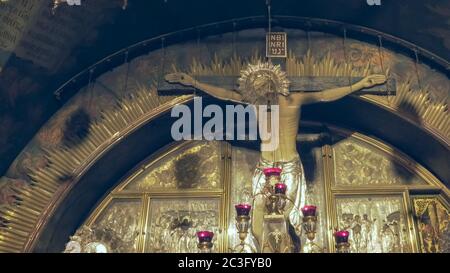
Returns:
(361, 184)
(385, 200)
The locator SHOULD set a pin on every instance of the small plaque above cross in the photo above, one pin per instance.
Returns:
(276, 45)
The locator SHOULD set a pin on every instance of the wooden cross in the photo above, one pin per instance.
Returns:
(297, 84)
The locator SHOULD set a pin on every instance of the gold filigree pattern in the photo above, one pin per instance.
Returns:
(173, 224)
(433, 222)
(359, 164)
(376, 224)
(195, 166)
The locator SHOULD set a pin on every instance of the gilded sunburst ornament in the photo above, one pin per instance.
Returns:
(261, 83)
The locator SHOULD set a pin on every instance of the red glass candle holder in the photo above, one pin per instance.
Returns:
(341, 236)
(309, 210)
(280, 188)
(243, 209)
(272, 172)
(205, 236)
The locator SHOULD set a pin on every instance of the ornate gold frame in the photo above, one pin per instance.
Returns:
(398, 157)
(442, 198)
(332, 191)
(381, 192)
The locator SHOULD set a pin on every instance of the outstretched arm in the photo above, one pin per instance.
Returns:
(218, 92)
(337, 93)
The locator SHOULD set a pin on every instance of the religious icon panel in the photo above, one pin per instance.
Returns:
(173, 224)
(376, 224)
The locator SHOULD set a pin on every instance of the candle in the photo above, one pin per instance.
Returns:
(309, 210)
(205, 236)
(272, 171)
(280, 188)
(341, 236)
(243, 209)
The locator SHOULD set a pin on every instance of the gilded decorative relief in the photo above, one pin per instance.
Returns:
(196, 165)
(174, 222)
(96, 240)
(433, 223)
(358, 164)
(243, 164)
(122, 217)
(376, 224)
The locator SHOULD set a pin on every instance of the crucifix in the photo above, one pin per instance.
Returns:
(266, 84)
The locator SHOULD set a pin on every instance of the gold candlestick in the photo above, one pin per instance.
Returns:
(242, 226)
(309, 226)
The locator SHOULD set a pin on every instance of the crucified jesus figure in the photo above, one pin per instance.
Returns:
(285, 155)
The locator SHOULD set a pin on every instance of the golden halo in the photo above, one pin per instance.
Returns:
(260, 81)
